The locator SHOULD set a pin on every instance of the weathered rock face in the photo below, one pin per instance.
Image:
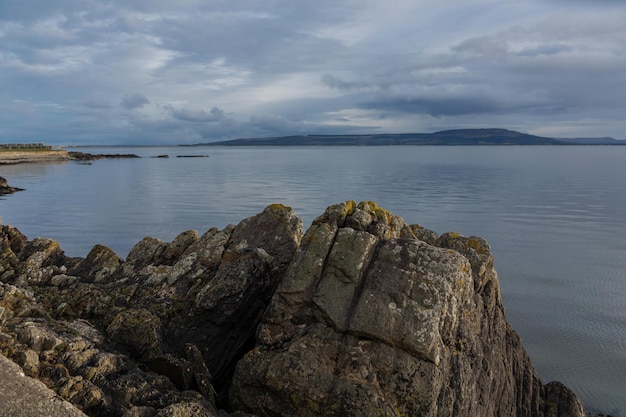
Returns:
(364, 315)
(371, 321)
(186, 309)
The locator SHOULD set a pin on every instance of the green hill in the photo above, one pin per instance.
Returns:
(458, 137)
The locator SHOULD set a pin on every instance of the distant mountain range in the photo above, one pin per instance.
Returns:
(444, 138)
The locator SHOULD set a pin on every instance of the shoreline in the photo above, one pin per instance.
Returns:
(24, 156)
(29, 156)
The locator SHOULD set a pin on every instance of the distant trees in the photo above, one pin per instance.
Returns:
(22, 146)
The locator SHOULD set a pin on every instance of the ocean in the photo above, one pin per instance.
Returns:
(555, 218)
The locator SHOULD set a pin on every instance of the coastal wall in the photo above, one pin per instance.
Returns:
(20, 156)
(363, 315)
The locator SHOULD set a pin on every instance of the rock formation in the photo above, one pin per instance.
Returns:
(84, 156)
(363, 316)
(5, 188)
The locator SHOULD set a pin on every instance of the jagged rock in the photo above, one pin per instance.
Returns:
(137, 329)
(101, 263)
(37, 336)
(80, 392)
(29, 361)
(424, 234)
(173, 250)
(560, 401)
(187, 409)
(202, 375)
(277, 230)
(229, 303)
(38, 260)
(12, 240)
(142, 254)
(371, 321)
(17, 302)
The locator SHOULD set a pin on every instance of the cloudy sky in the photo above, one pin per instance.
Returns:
(188, 71)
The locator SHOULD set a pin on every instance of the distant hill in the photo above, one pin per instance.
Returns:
(444, 138)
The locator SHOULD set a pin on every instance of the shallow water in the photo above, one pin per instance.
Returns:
(555, 218)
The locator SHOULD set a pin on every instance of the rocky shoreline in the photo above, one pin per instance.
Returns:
(363, 315)
(13, 157)
(30, 156)
(84, 156)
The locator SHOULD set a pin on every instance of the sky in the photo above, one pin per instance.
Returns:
(191, 71)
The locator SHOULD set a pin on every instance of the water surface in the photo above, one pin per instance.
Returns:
(555, 218)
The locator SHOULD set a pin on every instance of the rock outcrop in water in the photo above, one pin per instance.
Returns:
(84, 156)
(5, 188)
(363, 316)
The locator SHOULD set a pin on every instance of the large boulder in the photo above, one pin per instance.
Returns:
(22, 396)
(371, 321)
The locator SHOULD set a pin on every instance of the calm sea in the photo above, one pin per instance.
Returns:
(555, 218)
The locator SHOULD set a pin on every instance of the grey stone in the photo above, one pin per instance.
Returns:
(22, 396)
(372, 321)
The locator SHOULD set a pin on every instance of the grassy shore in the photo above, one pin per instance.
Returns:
(8, 157)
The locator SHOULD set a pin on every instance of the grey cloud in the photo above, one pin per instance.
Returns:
(161, 131)
(444, 106)
(272, 124)
(214, 115)
(98, 104)
(27, 10)
(134, 101)
(334, 82)
(485, 45)
(276, 125)
(550, 49)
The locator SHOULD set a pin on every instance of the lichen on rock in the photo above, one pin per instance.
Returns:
(370, 320)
